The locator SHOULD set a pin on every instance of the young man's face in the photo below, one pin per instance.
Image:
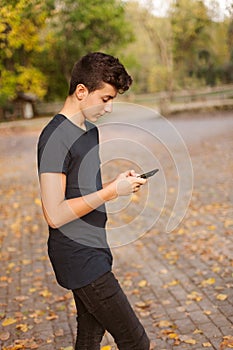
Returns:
(98, 102)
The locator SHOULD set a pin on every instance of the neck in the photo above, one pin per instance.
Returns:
(71, 110)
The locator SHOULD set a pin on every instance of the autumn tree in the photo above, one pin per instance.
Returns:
(20, 25)
(41, 40)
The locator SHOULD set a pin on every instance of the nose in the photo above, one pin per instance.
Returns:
(108, 107)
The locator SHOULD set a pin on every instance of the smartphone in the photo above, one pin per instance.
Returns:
(149, 174)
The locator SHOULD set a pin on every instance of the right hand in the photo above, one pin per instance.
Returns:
(126, 183)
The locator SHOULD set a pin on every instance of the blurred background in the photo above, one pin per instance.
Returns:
(180, 55)
(179, 52)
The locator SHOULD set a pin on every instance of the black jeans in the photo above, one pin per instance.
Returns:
(102, 305)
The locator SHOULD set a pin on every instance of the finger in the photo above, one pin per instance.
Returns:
(136, 188)
(141, 181)
(133, 173)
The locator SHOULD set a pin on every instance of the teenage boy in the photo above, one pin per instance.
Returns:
(73, 200)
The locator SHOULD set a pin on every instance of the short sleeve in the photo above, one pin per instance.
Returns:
(53, 154)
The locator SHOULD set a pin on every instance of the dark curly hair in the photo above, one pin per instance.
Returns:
(95, 68)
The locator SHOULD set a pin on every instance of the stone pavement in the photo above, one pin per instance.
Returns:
(180, 283)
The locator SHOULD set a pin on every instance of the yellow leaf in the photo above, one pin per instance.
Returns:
(222, 297)
(173, 336)
(45, 293)
(22, 327)
(209, 281)
(211, 227)
(181, 231)
(206, 345)
(216, 269)
(173, 283)
(190, 341)
(11, 265)
(227, 342)
(194, 296)
(107, 347)
(142, 304)
(142, 283)
(207, 312)
(8, 321)
(52, 316)
(37, 201)
(26, 261)
(164, 323)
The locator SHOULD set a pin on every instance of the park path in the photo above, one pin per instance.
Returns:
(180, 283)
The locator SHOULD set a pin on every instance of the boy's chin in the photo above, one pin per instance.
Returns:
(93, 118)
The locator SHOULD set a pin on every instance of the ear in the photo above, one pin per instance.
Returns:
(81, 92)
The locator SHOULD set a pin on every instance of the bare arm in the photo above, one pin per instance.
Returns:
(59, 211)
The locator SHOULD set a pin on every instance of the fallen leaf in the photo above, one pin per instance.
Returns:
(45, 293)
(164, 323)
(11, 265)
(26, 261)
(190, 341)
(142, 283)
(52, 316)
(142, 304)
(194, 296)
(171, 284)
(206, 345)
(21, 298)
(222, 297)
(37, 201)
(207, 312)
(211, 227)
(173, 336)
(227, 342)
(22, 327)
(216, 269)
(209, 281)
(8, 321)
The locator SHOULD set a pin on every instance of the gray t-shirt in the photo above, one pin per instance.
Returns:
(78, 251)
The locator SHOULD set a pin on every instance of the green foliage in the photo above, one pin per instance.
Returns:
(191, 31)
(78, 27)
(20, 23)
